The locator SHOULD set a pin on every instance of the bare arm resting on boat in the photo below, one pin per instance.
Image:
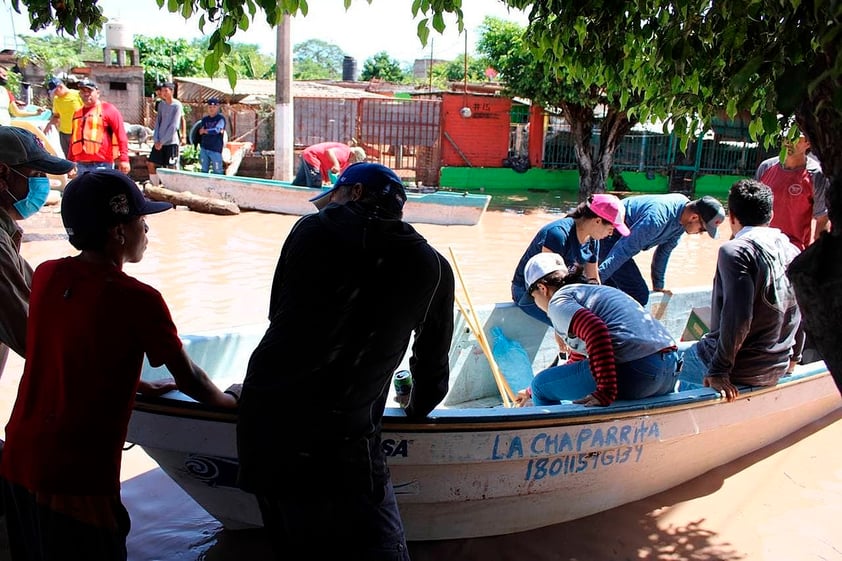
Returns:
(193, 381)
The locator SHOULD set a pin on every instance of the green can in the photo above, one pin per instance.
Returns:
(403, 383)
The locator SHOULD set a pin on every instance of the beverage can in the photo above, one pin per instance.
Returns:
(403, 382)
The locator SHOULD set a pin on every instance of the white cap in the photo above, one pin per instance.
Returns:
(541, 265)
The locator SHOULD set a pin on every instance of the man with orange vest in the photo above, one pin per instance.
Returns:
(98, 136)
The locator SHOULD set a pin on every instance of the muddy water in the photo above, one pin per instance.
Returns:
(216, 272)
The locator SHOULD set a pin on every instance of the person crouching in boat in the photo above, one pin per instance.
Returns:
(576, 238)
(617, 349)
(89, 327)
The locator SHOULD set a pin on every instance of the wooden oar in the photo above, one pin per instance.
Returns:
(471, 317)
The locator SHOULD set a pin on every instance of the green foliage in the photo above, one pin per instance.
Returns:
(691, 59)
(454, 71)
(163, 58)
(189, 157)
(382, 66)
(52, 54)
(225, 18)
(315, 59)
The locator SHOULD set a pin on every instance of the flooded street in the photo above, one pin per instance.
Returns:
(216, 271)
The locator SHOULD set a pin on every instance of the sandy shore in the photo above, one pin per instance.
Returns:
(783, 502)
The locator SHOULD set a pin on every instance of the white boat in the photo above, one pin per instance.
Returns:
(251, 193)
(476, 468)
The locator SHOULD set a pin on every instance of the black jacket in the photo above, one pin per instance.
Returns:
(349, 292)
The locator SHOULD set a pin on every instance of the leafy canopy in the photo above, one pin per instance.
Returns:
(225, 17)
(384, 67)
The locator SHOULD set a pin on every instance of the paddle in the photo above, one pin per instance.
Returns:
(472, 319)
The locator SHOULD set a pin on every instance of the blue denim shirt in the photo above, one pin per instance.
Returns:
(654, 222)
(560, 237)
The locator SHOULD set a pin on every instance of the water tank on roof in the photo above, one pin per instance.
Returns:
(117, 35)
(349, 69)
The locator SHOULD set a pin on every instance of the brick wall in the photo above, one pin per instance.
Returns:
(481, 140)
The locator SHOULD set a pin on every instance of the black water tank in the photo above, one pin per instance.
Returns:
(349, 69)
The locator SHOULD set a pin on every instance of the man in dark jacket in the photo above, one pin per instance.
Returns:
(353, 285)
(754, 316)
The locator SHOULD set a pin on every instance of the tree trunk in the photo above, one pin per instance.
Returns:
(816, 273)
(593, 173)
(581, 118)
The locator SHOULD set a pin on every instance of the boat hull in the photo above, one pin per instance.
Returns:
(475, 468)
(439, 207)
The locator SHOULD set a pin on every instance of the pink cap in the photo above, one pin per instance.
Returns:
(609, 207)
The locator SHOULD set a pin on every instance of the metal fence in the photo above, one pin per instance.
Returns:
(650, 151)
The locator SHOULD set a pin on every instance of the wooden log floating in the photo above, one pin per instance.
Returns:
(193, 202)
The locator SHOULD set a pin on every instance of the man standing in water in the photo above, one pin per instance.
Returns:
(354, 283)
(165, 150)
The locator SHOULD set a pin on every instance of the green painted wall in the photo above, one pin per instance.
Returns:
(506, 179)
(716, 185)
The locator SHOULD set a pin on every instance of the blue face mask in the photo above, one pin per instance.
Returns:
(39, 189)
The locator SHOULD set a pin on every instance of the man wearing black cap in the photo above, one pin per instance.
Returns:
(656, 221)
(65, 103)
(23, 190)
(99, 135)
(354, 283)
(166, 137)
(92, 325)
(211, 137)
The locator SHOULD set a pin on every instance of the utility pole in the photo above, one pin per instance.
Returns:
(284, 141)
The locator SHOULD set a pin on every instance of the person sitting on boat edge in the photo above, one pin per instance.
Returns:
(89, 327)
(576, 238)
(618, 350)
(754, 337)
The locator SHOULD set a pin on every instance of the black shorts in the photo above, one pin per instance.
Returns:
(166, 156)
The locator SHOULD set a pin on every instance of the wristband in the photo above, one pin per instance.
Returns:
(234, 395)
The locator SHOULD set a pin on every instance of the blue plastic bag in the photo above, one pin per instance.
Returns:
(512, 360)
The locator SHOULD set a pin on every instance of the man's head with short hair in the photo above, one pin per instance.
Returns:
(89, 91)
(750, 202)
(96, 201)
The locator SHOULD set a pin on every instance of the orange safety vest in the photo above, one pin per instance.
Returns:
(88, 132)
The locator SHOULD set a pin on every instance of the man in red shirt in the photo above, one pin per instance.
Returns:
(798, 187)
(319, 160)
(98, 137)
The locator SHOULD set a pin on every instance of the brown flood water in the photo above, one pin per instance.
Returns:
(782, 502)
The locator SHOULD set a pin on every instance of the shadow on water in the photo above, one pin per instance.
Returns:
(592, 537)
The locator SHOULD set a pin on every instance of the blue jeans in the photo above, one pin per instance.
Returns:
(82, 167)
(526, 303)
(694, 369)
(338, 525)
(210, 160)
(645, 377)
(307, 175)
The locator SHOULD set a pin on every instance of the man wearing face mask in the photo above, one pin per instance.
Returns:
(23, 190)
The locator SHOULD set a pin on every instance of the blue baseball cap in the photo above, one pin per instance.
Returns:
(380, 185)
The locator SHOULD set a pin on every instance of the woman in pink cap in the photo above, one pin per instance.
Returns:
(576, 238)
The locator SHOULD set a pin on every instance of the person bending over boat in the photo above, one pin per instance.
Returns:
(617, 349)
(656, 221)
(576, 238)
(89, 327)
(353, 284)
(320, 160)
(755, 336)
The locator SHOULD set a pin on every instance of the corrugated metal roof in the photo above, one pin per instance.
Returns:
(253, 91)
